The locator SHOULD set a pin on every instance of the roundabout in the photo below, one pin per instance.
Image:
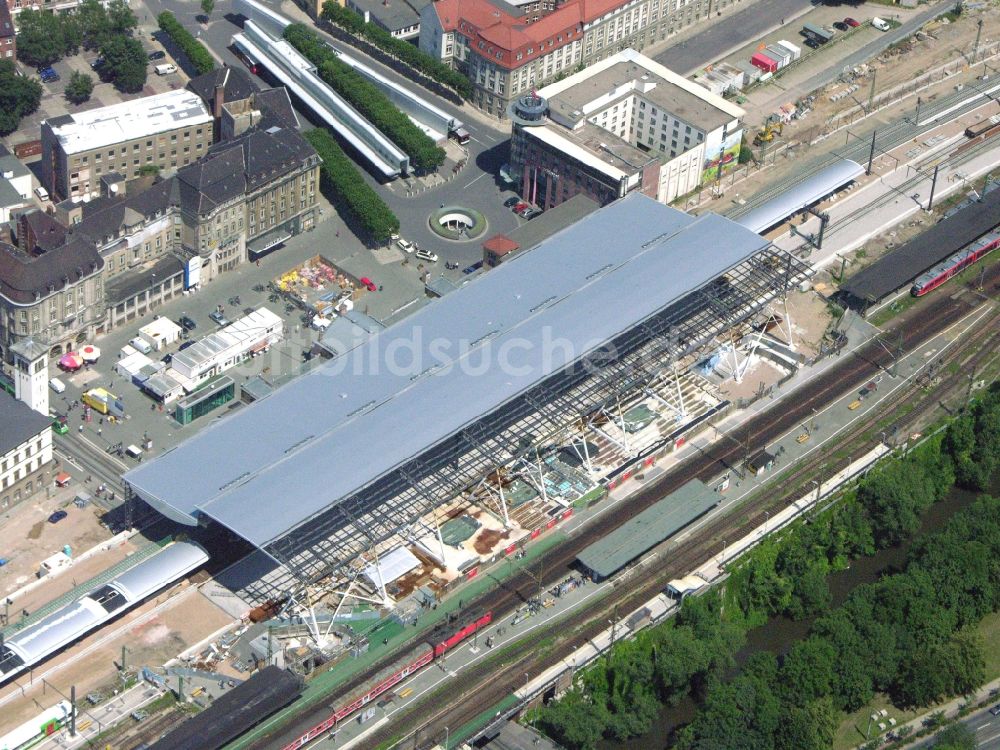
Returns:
(457, 223)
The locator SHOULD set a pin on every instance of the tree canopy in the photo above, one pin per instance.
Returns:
(367, 98)
(348, 191)
(19, 96)
(125, 63)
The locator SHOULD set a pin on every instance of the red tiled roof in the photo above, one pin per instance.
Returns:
(501, 244)
(504, 35)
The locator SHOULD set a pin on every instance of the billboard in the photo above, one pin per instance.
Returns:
(727, 153)
(192, 272)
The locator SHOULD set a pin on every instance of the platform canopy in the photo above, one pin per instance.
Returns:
(268, 468)
(794, 198)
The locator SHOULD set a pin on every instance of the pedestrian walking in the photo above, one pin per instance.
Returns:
(79, 428)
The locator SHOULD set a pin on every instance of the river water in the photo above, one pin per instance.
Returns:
(780, 633)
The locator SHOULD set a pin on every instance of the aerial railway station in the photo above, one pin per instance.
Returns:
(443, 442)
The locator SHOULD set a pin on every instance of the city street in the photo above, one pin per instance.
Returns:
(477, 186)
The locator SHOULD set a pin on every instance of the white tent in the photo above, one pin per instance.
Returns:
(132, 364)
(393, 565)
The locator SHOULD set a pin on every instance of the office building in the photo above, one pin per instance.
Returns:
(25, 451)
(507, 50)
(625, 124)
(162, 132)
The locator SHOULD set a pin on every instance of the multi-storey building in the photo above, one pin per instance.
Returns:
(151, 238)
(25, 451)
(626, 123)
(51, 287)
(8, 36)
(506, 52)
(163, 132)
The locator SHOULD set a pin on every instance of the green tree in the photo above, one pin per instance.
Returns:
(196, 52)
(19, 96)
(425, 155)
(92, 21)
(348, 191)
(807, 671)
(40, 37)
(79, 87)
(121, 19)
(573, 721)
(955, 737)
(125, 63)
(807, 728)
(207, 6)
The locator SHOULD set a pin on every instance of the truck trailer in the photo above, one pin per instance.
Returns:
(765, 63)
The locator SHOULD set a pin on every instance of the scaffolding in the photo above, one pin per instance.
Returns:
(583, 393)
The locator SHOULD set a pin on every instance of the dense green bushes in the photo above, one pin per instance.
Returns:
(909, 634)
(348, 189)
(365, 97)
(404, 51)
(195, 51)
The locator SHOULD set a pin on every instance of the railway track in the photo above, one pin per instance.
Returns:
(587, 624)
(856, 368)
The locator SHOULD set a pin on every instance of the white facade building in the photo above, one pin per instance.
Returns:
(25, 451)
(250, 335)
(630, 114)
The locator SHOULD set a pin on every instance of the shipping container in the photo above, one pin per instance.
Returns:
(794, 49)
(779, 54)
(764, 62)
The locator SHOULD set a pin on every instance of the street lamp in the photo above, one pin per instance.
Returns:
(446, 738)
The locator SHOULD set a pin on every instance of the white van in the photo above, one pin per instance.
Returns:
(140, 344)
(42, 193)
(57, 385)
(881, 25)
(165, 69)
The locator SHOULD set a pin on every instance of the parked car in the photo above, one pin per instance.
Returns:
(995, 711)
(185, 345)
(531, 213)
(511, 202)
(167, 358)
(219, 318)
(405, 245)
(187, 323)
(473, 268)
(524, 211)
(42, 193)
(48, 74)
(368, 284)
(98, 63)
(840, 26)
(852, 23)
(427, 255)
(58, 516)
(811, 43)
(520, 206)
(157, 54)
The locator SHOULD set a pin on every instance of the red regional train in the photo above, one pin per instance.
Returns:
(960, 260)
(412, 662)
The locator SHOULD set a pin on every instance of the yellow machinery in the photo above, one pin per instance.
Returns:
(768, 133)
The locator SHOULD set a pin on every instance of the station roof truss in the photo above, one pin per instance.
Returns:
(662, 289)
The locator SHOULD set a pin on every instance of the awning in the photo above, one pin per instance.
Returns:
(259, 346)
(267, 241)
(62, 478)
(90, 353)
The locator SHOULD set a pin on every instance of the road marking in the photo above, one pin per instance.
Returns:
(989, 739)
(478, 178)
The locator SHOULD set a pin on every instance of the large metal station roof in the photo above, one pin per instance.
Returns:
(270, 467)
(804, 193)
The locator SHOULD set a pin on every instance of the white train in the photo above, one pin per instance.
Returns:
(35, 643)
